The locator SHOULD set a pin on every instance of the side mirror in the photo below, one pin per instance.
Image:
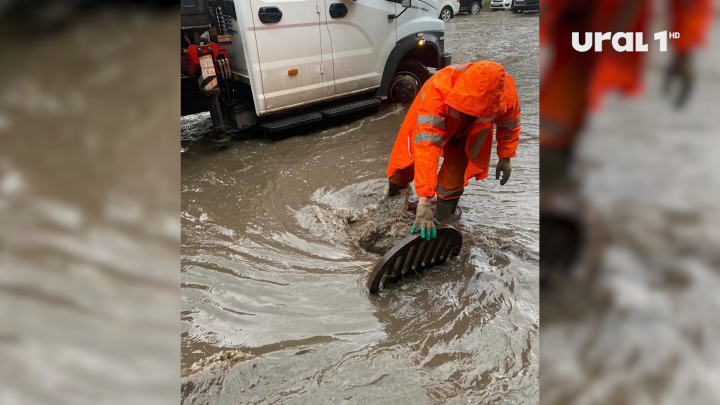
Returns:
(404, 3)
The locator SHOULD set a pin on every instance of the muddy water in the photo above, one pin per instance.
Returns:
(88, 210)
(273, 272)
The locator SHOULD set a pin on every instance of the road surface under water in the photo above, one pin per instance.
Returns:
(274, 306)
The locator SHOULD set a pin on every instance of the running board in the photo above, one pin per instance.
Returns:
(315, 116)
(291, 122)
(353, 106)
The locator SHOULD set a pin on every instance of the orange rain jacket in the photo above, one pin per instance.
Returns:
(482, 90)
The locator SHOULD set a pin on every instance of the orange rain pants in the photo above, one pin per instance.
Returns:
(488, 96)
(577, 81)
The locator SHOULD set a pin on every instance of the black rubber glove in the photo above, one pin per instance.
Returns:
(424, 220)
(505, 167)
(681, 71)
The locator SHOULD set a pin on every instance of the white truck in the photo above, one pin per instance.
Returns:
(283, 63)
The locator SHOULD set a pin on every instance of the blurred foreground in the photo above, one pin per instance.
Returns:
(634, 319)
(88, 205)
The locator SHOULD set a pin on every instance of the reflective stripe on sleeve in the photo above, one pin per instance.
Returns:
(509, 124)
(459, 67)
(431, 120)
(426, 137)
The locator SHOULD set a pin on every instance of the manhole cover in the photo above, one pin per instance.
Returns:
(412, 255)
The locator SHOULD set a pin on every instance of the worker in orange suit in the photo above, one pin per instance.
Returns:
(453, 116)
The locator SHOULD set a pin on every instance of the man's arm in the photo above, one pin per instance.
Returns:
(428, 137)
(508, 132)
(691, 20)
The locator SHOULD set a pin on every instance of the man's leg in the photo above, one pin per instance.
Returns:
(400, 180)
(451, 179)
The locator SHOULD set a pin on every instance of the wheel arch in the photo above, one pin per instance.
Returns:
(428, 54)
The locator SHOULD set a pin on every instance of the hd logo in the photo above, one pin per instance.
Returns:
(631, 43)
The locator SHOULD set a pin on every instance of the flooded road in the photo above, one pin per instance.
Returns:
(88, 210)
(274, 306)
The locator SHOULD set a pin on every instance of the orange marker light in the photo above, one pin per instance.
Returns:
(292, 72)
(421, 42)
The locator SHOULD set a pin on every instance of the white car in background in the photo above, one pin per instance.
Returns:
(500, 5)
(447, 9)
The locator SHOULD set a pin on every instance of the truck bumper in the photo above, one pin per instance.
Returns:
(445, 60)
(526, 6)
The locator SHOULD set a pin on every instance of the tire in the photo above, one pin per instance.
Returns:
(409, 77)
(475, 7)
(446, 14)
(516, 11)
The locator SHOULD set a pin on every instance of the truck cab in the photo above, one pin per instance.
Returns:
(286, 56)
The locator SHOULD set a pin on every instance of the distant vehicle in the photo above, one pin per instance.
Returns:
(471, 6)
(447, 9)
(497, 5)
(519, 6)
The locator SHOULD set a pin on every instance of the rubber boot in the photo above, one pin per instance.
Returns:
(394, 189)
(445, 209)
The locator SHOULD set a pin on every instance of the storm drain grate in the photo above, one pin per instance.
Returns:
(412, 255)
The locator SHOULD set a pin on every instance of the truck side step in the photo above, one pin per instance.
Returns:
(353, 106)
(291, 122)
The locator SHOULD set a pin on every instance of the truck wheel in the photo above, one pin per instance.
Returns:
(446, 14)
(407, 81)
(475, 7)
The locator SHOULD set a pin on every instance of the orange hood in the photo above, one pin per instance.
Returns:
(480, 91)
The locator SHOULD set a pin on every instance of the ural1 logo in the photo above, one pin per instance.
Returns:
(629, 46)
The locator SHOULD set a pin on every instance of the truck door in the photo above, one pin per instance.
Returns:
(287, 33)
(362, 37)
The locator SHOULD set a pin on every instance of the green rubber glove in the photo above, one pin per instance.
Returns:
(424, 221)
